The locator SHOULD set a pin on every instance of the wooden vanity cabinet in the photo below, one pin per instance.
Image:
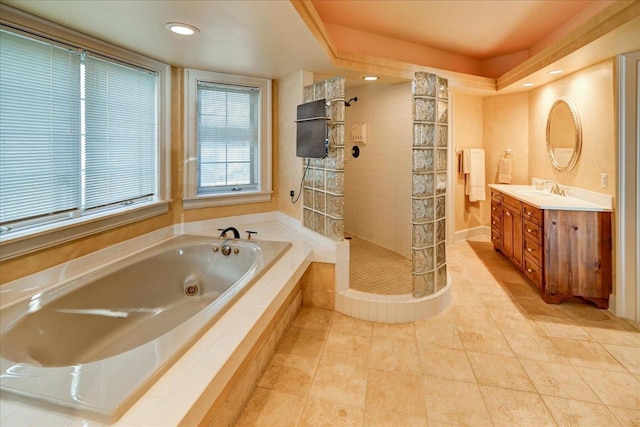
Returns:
(578, 258)
(566, 254)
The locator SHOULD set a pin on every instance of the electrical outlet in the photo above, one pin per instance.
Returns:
(604, 180)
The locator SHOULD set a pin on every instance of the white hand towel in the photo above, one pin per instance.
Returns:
(504, 170)
(474, 180)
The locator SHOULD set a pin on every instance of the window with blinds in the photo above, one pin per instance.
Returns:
(78, 133)
(228, 124)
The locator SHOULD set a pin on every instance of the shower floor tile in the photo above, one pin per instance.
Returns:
(378, 270)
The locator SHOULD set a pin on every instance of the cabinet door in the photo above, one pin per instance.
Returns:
(578, 253)
(512, 236)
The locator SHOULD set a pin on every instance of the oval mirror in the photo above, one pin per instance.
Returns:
(564, 135)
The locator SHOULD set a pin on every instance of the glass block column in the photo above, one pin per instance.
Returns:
(429, 175)
(323, 193)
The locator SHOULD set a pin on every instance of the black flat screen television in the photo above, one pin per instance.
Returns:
(311, 132)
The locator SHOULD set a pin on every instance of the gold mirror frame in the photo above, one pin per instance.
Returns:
(577, 135)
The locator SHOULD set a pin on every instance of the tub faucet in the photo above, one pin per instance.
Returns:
(236, 233)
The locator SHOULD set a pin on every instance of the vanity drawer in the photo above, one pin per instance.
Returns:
(495, 195)
(495, 208)
(514, 204)
(495, 221)
(532, 271)
(496, 238)
(532, 249)
(532, 231)
(532, 213)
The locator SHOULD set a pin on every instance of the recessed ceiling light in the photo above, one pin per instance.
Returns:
(183, 29)
(527, 84)
(555, 72)
(370, 78)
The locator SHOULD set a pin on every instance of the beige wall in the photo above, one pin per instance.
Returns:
(592, 92)
(467, 133)
(290, 94)
(377, 185)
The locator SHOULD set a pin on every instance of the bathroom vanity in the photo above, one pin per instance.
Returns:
(562, 244)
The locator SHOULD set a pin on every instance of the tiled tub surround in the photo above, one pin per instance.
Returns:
(323, 198)
(186, 391)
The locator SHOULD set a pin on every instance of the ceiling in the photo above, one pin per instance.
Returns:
(268, 38)
(477, 29)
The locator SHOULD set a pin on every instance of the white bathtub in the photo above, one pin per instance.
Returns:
(91, 346)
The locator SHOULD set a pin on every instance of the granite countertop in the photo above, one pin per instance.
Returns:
(575, 200)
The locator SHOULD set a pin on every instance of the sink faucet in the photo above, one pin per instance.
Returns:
(236, 233)
(555, 188)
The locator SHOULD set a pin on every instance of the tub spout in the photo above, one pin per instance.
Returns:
(236, 233)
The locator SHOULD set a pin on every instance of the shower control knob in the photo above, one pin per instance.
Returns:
(355, 151)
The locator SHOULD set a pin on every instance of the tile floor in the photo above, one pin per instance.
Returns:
(378, 270)
(498, 356)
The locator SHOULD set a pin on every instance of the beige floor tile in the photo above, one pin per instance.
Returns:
(350, 349)
(629, 357)
(535, 347)
(536, 307)
(627, 417)
(581, 312)
(289, 373)
(391, 355)
(351, 326)
(439, 330)
(562, 328)
(339, 382)
(454, 402)
(303, 342)
(509, 325)
(586, 354)
(401, 332)
(613, 388)
(271, 408)
(318, 412)
(516, 408)
(612, 332)
(473, 318)
(557, 380)
(395, 391)
(313, 318)
(383, 417)
(569, 413)
(443, 362)
(485, 341)
(500, 371)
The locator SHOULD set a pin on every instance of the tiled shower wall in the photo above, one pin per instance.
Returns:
(323, 193)
(430, 142)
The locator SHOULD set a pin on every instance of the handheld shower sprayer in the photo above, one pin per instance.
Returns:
(348, 103)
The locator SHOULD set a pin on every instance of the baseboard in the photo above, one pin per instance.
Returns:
(470, 233)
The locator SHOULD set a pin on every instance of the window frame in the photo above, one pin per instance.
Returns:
(23, 241)
(190, 197)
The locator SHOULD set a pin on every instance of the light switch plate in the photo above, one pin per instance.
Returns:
(604, 180)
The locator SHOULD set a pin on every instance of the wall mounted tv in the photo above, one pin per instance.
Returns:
(311, 136)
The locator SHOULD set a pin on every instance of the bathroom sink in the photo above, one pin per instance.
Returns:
(536, 193)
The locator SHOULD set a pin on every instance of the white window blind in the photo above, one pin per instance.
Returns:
(120, 138)
(228, 123)
(39, 128)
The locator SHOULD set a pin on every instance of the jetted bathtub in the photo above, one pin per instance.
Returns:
(93, 345)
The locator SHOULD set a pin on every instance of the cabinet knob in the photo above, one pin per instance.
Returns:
(529, 250)
(493, 222)
(529, 213)
(529, 270)
(529, 230)
(507, 213)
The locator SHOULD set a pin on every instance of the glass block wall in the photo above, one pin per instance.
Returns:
(430, 142)
(323, 192)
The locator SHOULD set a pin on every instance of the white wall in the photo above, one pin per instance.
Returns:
(378, 183)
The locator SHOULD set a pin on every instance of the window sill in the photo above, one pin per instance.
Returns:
(24, 242)
(226, 200)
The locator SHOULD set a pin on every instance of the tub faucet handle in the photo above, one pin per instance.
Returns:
(249, 233)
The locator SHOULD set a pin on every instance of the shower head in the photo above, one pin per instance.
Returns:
(348, 103)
